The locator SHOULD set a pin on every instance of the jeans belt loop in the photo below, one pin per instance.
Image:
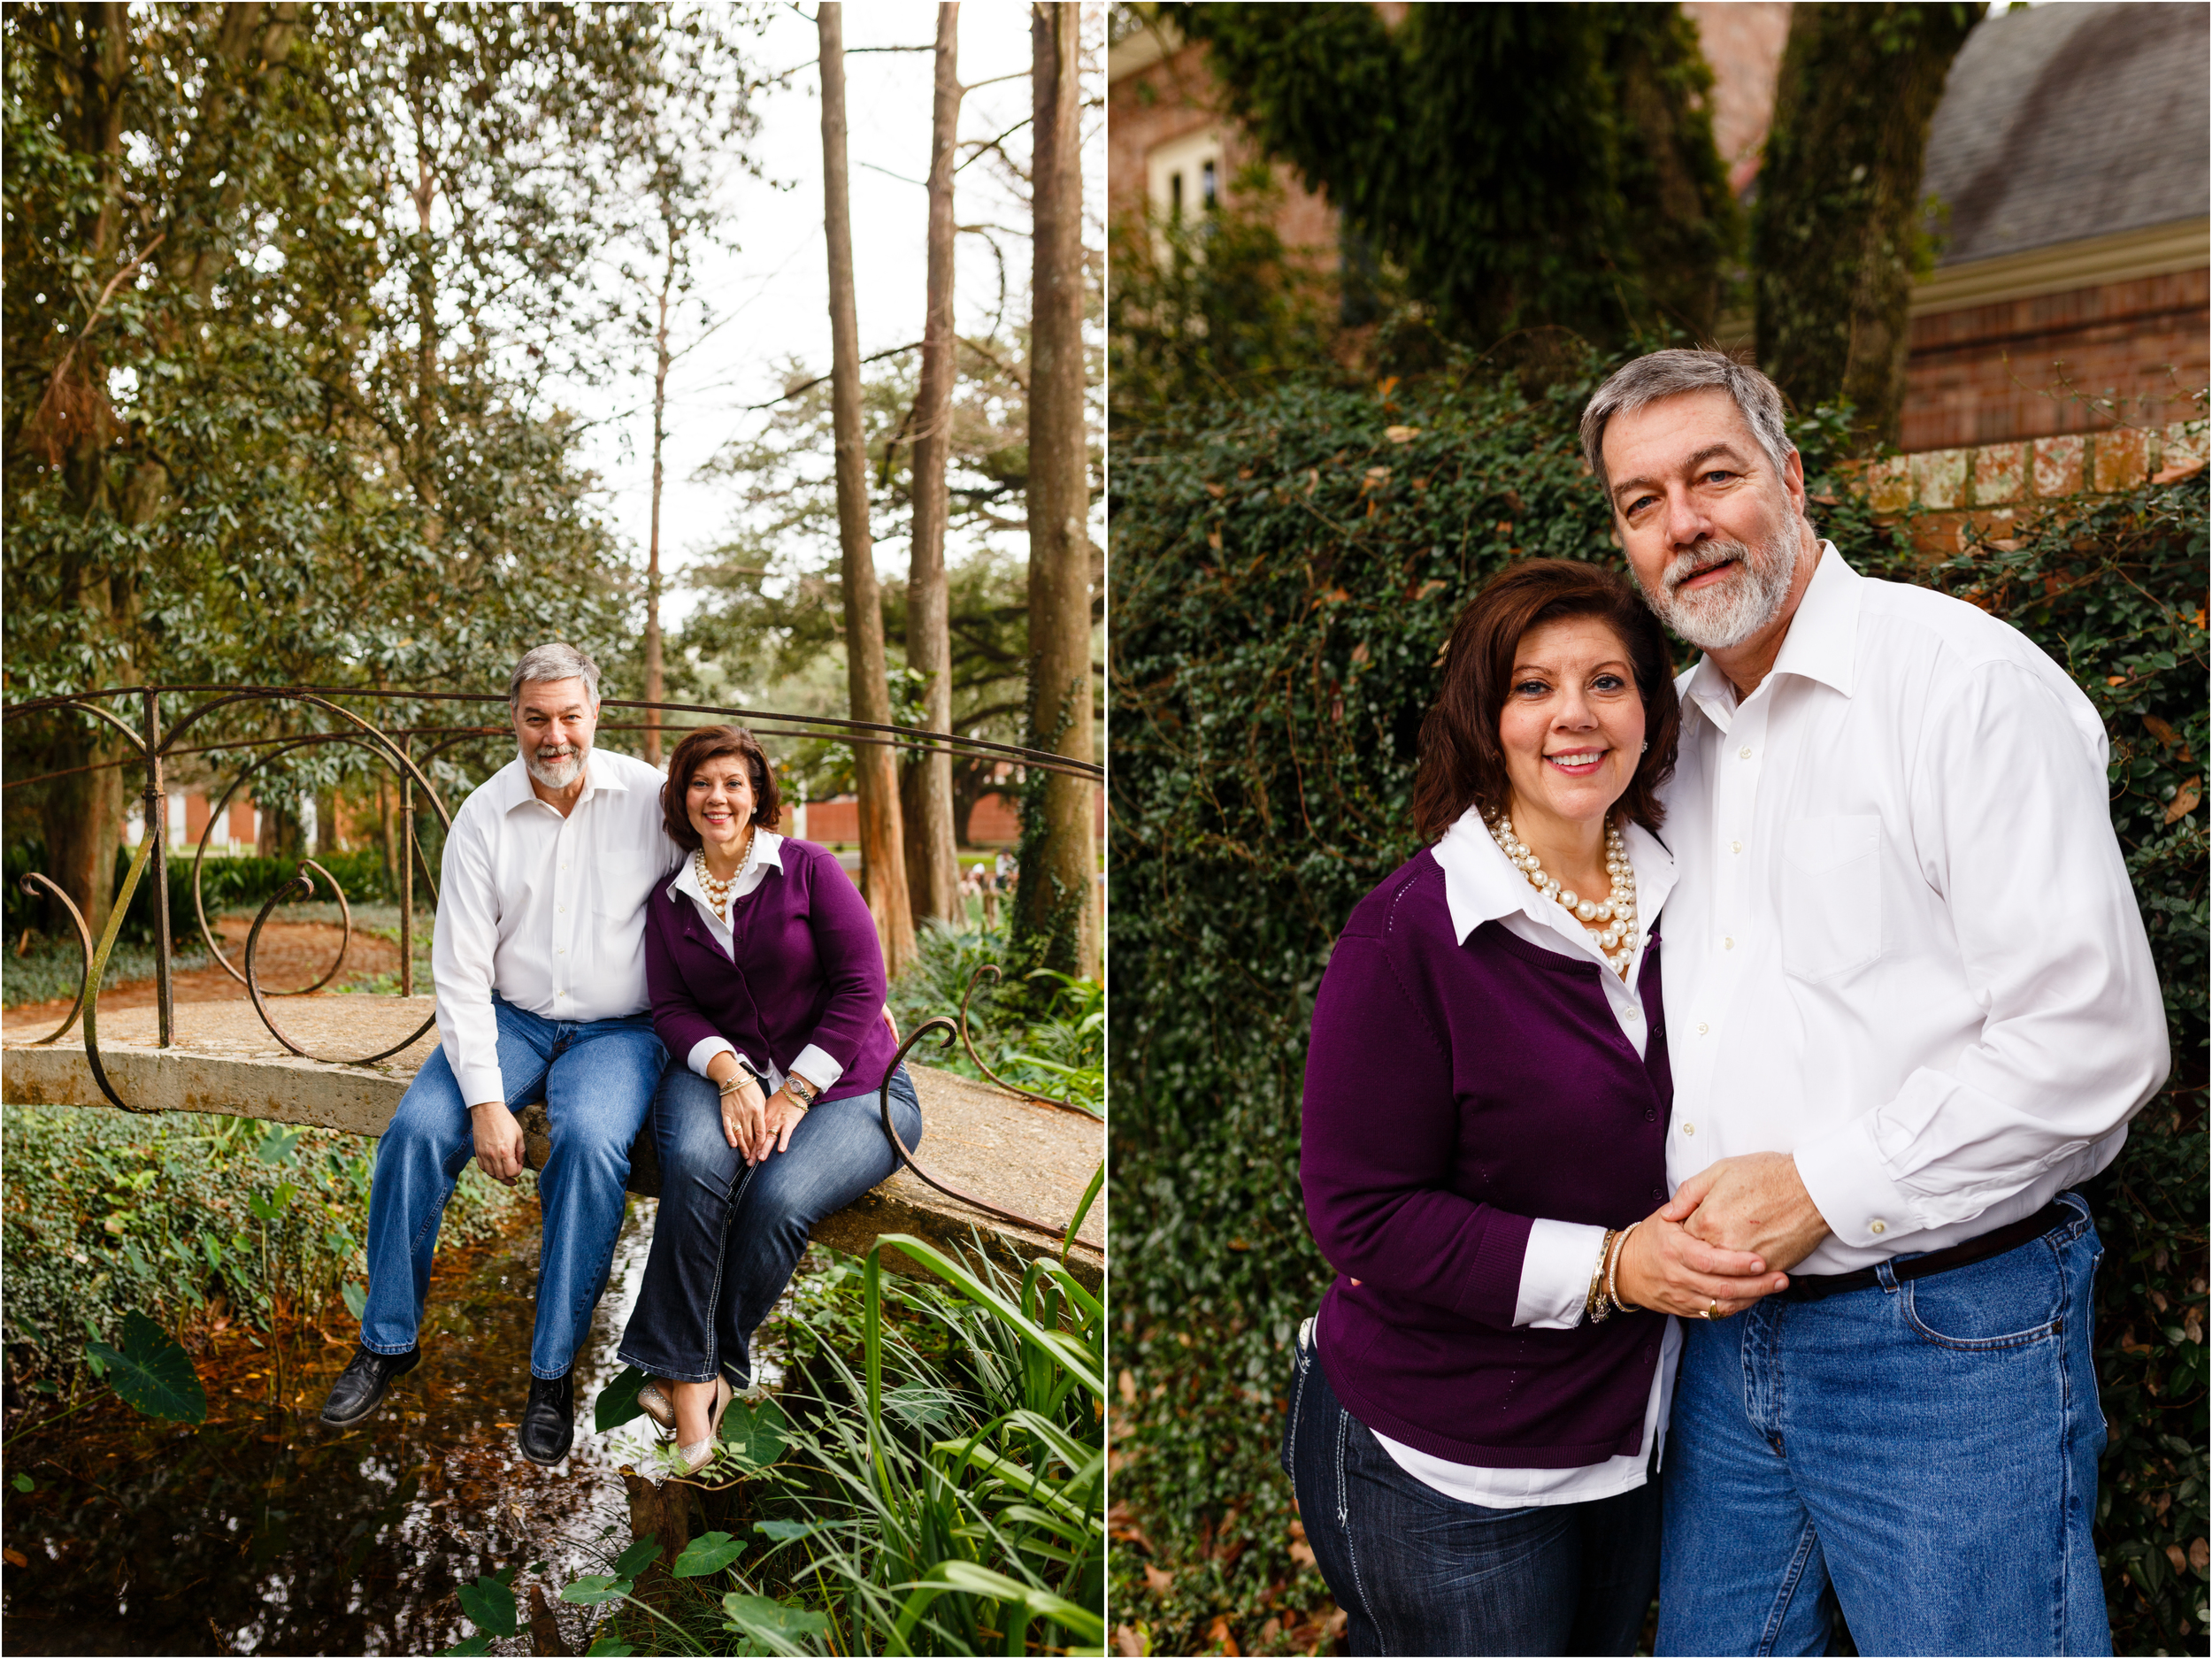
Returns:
(1886, 1274)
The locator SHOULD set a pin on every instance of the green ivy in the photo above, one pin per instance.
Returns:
(1285, 572)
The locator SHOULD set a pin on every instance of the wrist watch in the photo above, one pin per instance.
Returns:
(799, 1089)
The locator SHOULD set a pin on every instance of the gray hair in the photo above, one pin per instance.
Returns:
(556, 661)
(1663, 374)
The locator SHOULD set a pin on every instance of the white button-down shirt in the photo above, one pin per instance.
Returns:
(1902, 945)
(813, 1064)
(1482, 885)
(548, 912)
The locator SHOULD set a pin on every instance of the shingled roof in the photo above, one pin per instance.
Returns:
(2060, 123)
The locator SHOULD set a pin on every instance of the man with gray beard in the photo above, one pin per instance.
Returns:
(539, 960)
(1910, 1007)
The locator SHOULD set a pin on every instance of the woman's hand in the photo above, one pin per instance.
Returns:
(1662, 1267)
(743, 1108)
(779, 1119)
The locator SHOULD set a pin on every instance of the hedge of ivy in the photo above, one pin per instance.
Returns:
(1283, 582)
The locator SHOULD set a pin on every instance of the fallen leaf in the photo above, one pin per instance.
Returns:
(1359, 652)
(1402, 435)
(1377, 474)
(2200, 1555)
(1302, 1554)
(1216, 491)
(1128, 1642)
(2115, 680)
(1384, 387)
(1430, 587)
(1213, 540)
(2186, 800)
(1128, 1385)
(15, 1557)
(2180, 1560)
(1159, 1582)
(2158, 729)
(1218, 1633)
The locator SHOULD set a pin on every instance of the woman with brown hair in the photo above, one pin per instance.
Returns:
(1477, 1404)
(767, 988)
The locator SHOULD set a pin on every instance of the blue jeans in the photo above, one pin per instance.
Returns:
(729, 1233)
(597, 1079)
(1926, 1447)
(1419, 1572)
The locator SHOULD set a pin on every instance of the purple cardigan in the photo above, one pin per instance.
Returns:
(808, 969)
(1453, 1093)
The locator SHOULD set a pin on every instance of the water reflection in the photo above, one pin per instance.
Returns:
(262, 1532)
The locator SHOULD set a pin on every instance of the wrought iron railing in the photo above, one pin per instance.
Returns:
(409, 750)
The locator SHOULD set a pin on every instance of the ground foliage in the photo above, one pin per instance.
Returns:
(1284, 581)
(189, 1218)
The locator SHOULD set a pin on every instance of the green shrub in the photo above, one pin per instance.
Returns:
(226, 884)
(104, 1212)
(1283, 581)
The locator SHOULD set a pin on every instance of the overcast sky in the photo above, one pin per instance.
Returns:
(777, 283)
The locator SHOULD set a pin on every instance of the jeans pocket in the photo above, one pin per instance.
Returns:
(1302, 1361)
(2007, 1302)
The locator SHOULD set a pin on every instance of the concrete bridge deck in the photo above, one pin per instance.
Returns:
(1033, 1160)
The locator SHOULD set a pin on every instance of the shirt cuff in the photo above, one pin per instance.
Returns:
(480, 1084)
(1844, 1176)
(705, 1050)
(817, 1068)
(1556, 1272)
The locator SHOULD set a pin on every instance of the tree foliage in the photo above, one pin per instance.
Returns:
(286, 285)
(1837, 235)
(1527, 166)
(1285, 571)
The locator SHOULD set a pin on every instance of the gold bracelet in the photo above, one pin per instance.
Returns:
(1594, 1303)
(1613, 1270)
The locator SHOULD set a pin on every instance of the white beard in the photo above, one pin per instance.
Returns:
(1721, 617)
(555, 774)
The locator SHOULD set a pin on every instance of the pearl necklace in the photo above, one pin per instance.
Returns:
(1613, 918)
(718, 892)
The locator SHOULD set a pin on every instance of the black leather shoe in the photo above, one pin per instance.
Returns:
(548, 1421)
(360, 1387)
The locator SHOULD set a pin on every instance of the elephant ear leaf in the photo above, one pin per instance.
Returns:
(617, 1404)
(152, 1372)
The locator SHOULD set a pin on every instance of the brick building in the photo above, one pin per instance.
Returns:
(2069, 152)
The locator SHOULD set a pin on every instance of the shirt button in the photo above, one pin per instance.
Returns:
(560, 950)
(1702, 1028)
(562, 907)
(1877, 1225)
(1727, 944)
(1744, 753)
(1649, 1115)
(1735, 847)
(1689, 1129)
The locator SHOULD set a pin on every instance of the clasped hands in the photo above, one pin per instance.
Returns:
(755, 1127)
(1724, 1239)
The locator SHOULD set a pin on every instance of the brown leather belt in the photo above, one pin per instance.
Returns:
(1815, 1286)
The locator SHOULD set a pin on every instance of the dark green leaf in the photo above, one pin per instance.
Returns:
(710, 1552)
(617, 1402)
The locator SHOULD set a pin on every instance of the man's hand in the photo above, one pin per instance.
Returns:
(498, 1141)
(1754, 1203)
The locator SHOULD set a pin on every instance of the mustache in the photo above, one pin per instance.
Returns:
(1697, 561)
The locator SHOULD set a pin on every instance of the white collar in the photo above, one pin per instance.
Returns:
(767, 849)
(1822, 643)
(1481, 883)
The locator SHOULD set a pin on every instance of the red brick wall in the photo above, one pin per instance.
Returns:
(1175, 97)
(1994, 373)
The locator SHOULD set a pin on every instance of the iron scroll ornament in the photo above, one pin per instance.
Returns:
(391, 745)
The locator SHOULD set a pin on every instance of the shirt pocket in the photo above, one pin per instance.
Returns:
(1831, 894)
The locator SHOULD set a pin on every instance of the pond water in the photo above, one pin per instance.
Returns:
(262, 1532)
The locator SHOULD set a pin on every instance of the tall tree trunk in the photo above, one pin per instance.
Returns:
(875, 769)
(82, 818)
(653, 681)
(933, 853)
(1836, 231)
(1058, 896)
